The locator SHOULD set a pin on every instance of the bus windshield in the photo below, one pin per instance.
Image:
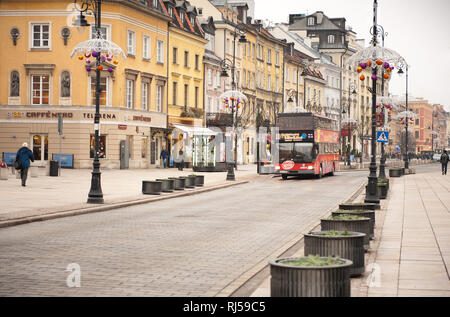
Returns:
(297, 152)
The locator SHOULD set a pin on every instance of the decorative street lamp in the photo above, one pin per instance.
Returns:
(226, 64)
(379, 59)
(104, 52)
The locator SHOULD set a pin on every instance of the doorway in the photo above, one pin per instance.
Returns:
(39, 146)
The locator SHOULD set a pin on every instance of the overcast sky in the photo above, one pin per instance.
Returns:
(417, 29)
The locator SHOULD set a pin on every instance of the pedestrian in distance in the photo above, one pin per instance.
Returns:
(444, 162)
(181, 153)
(165, 156)
(23, 158)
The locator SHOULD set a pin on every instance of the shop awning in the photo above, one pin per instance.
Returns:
(195, 130)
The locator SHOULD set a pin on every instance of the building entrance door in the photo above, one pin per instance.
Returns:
(39, 146)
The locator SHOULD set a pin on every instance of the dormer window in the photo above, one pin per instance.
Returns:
(155, 4)
(171, 12)
(182, 17)
(310, 21)
(330, 39)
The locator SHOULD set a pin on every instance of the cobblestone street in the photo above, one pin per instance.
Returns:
(190, 246)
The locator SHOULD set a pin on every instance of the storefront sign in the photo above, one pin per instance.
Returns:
(9, 158)
(102, 116)
(66, 160)
(122, 126)
(142, 118)
(36, 114)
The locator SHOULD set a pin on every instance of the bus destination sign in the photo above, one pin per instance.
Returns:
(297, 136)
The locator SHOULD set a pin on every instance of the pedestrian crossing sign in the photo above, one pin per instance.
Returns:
(382, 137)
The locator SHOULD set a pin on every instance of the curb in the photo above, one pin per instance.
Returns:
(82, 211)
(233, 288)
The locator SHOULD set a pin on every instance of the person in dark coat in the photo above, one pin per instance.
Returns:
(165, 156)
(444, 162)
(24, 155)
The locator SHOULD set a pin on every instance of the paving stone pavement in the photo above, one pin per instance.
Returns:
(410, 255)
(190, 246)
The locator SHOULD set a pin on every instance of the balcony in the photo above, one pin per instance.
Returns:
(216, 119)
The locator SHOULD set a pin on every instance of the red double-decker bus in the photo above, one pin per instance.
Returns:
(308, 145)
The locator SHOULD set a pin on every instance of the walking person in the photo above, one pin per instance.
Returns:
(23, 156)
(165, 156)
(181, 153)
(444, 162)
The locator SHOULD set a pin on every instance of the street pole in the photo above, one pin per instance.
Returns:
(95, 194)
(407, 123)
(372, 188)
(382, 174)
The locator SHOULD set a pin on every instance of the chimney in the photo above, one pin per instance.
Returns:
(319, 16)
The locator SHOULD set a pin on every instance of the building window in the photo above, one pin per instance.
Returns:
(417, 134)
(277, 58)
(155, 4)
(40, 35)
(145, 94)
(146, 47)
(130, 145)
(196, 97)
(103, 90)
(186, 59)
(182, 17)
(144, 147)
(196, 62)
(310, 21)
(269, 56)
(211, 44)
(174, 93)
(130, 93)
(209, 77)
(40, 85)
(159, 98)
(218, 80)
(101, 146)
(175, 55)
(330, 39)
(277, 83)
(210, 105)
(14, 90)
(160, 51)
(269, 82)
(103, 32)
(131, 43)
(171, 12)
(186, 91)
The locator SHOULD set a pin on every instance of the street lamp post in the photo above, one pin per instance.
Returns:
(239, 30)
(352, 89)
(406, 158)
(95, 193)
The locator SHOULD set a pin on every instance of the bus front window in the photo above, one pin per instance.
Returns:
(297, 152)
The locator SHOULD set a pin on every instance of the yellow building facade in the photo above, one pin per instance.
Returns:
(42, 81)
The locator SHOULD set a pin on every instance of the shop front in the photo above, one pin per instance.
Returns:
(137, 133)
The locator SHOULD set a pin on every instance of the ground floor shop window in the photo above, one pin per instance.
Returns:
(40, 147)
(204, 154)
(101, 147)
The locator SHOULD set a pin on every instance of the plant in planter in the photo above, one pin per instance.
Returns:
(395, 172)
(345, 222)
(362, 213)
(345, 244)
(353, 206)
(311, 276)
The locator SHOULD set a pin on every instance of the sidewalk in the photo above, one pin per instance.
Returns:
(410, 254)
(69, 191)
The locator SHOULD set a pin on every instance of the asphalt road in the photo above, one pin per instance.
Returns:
(191, 246)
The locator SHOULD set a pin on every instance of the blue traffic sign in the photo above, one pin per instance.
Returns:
(382, 137)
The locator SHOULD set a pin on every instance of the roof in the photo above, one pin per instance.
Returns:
(186, 10)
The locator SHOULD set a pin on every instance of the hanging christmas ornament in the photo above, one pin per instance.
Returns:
(116, 62)
(103, 58)
(87, 55)
(88, 68)
(359, 69)
(110, 69)
(379, 62)
(374, 77)
(100, 67)
(386, 76)
(80, 57)
(88, 61)
(362, 78)
(369, 63)
(95, 53)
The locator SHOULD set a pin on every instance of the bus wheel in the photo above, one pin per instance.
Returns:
(284, 176)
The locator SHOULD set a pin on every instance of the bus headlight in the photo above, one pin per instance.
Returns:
(277, 168)
(310, 167)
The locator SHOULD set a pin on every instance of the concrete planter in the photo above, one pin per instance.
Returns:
(312, 281)
(362, 226)
(178, 183)
(165, 187)
(347, 247)
(395, 172)
(151, 188)
(4, 174)
(358, 206)
(367, 214)
(199, 180)
(190, 181)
